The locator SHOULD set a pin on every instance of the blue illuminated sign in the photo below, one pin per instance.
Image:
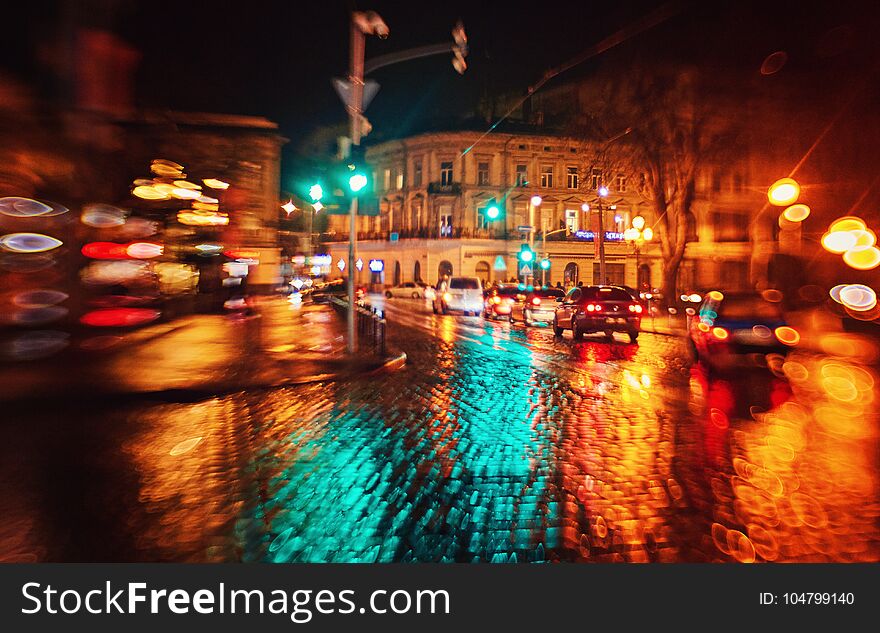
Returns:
(377, 265)
(589, 236)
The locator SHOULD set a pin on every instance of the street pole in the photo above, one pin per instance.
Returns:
(638, 283)
(600, 235)
(309, 238)
(356, 80)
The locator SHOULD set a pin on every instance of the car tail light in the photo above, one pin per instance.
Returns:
(594, 307)
(635, 308)
(536, 301)
(720, 333)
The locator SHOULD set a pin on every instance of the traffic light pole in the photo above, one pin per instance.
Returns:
(356, 80)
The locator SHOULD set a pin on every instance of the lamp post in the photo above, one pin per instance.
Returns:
(600, 234)
(637, 235)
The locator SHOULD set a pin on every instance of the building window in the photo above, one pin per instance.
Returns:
(620, 183)
(716, 181)
(417, 173)
(387, 180)
(483, 222)
(730, 227)
(691, 227)
(571, 274)
(572, 173)
(738, 183)
(446, 173)
(547, 176)
(522, 177)
(615, 274)
(445, 222)
(617, 221)
(398, 181)
(547, 148)
(595, 179)
(571, 219)
(482, 173)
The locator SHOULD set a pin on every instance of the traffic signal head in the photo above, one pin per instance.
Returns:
(316, 192)
(526, 254)
(545, 264)
(357, 181)
(459, 48)
(492, 212)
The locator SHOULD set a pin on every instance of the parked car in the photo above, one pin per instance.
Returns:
(321, 292)
(459, 294)
(730, 329)
(499, 300)
(591, 309)
(538, 306)
(409, 290)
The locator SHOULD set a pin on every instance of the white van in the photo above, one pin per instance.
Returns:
(459, 294)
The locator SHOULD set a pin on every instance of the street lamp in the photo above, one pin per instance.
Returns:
(637, 235)
(599, 237)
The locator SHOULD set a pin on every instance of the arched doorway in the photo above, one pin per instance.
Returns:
(571, 275)
(417, 271)
(444, 270)
(484, 272)
(397, 279)
(644, 278)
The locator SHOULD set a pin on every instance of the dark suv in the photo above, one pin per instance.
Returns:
(605, 309)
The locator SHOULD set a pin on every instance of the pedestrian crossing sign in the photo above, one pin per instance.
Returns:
(525, 269)
(500, 264)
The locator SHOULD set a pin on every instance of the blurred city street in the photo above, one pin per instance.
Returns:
(494, 443)
(316, 282)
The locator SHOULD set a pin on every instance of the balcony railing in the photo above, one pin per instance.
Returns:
(452, 188)
(427, 234)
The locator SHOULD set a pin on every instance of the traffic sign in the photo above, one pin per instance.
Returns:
(525, 229)
(394, 237)
(525, 269)
(500, 264)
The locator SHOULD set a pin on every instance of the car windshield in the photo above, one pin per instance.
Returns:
(464, 284)
(506, 291)
(550, 292)
(744, 308)
(596, 293)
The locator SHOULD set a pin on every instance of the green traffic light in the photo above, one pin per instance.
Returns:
(357, 182)
(545, 263)
(526, 255)
(492, 213)
(316, 192)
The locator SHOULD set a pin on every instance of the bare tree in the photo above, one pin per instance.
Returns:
(671, 132)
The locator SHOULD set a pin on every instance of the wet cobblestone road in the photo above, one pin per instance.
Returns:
(494, 444)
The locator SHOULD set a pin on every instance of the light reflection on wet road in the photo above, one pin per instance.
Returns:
(495, 443)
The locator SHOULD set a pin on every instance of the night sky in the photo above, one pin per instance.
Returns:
(276, 58)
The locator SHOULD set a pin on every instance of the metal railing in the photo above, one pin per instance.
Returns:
(371, 326)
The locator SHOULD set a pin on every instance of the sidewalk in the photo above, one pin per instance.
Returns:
(201, 355)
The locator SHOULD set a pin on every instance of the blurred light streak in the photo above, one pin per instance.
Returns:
(29, 242)
(23, 207)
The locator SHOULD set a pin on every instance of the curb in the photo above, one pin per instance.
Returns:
(389, 364)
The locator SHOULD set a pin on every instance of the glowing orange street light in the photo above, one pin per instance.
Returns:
(784, 192)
